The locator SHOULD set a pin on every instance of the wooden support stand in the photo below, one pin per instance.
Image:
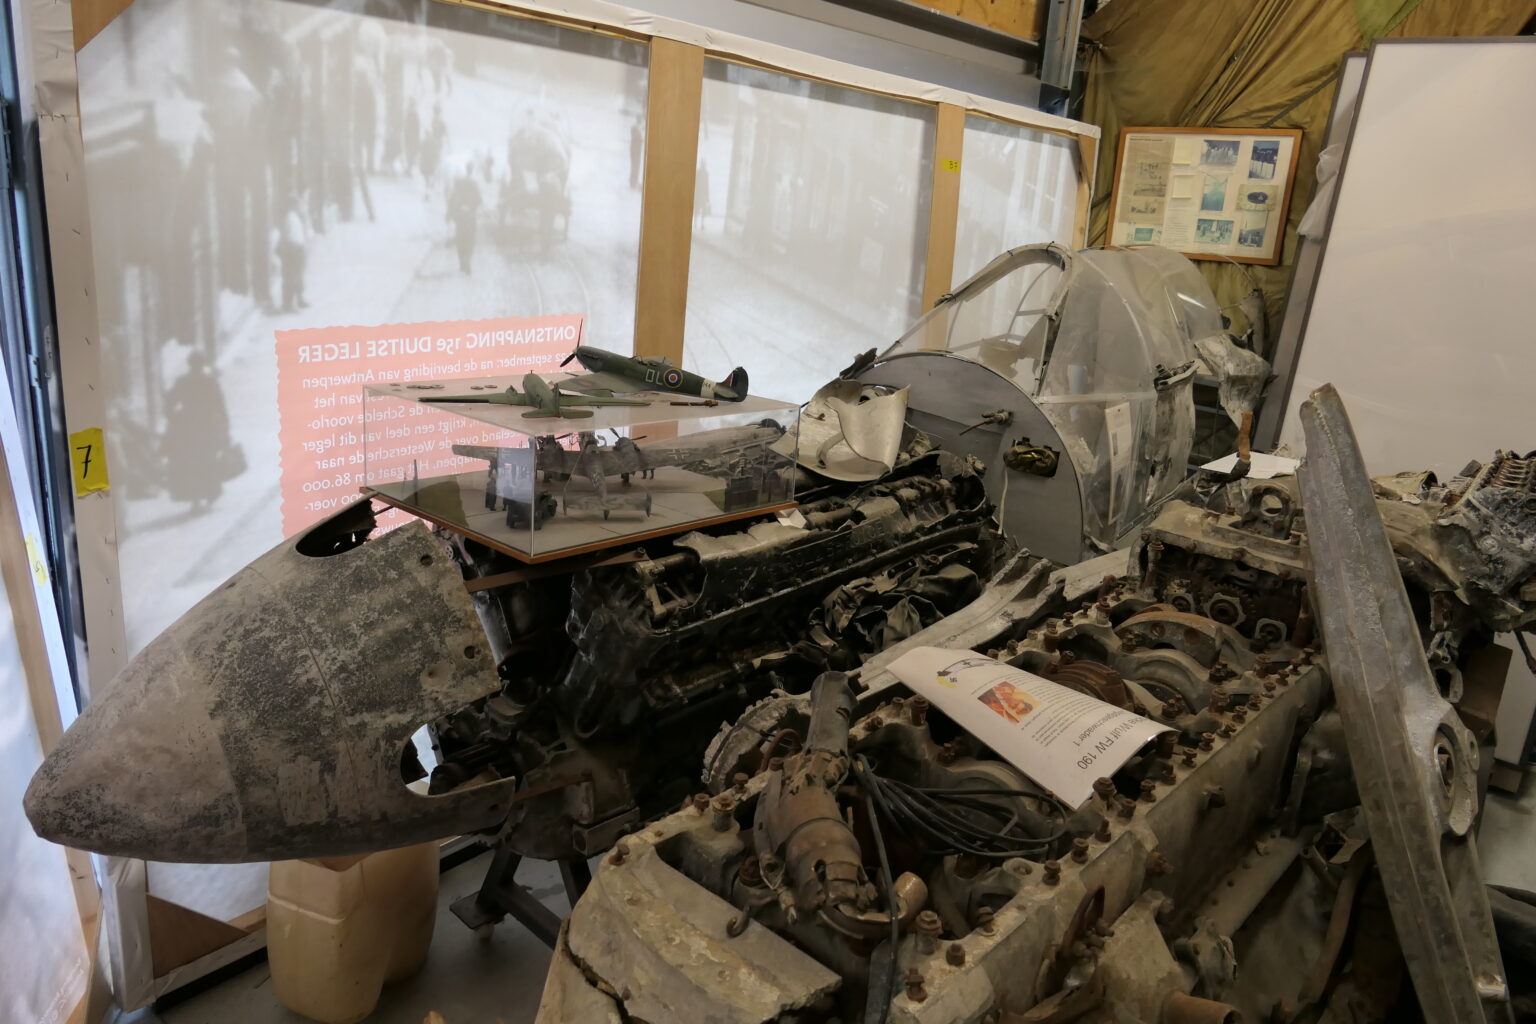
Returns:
(501, 896)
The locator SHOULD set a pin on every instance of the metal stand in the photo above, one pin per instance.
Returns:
(500, 896)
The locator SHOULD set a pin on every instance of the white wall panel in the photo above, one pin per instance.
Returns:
(1422, 311)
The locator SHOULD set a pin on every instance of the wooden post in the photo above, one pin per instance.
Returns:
(91, 16)
(943, 203)
(666, 206)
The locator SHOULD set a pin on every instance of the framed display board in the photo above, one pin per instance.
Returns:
(1210, 193)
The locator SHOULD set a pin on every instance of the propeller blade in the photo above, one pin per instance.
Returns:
(568, 358)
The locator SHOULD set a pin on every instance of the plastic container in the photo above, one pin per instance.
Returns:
(338, 929)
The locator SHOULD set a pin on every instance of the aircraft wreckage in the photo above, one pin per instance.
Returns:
(1302, 671)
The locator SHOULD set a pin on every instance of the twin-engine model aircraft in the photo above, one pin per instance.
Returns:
(545, 398)
(609, 373)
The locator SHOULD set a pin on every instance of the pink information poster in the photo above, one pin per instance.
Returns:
(321, 374)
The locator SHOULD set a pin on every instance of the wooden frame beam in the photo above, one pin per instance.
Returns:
(674, 95)
(1087, 171)
(91, 16)
(943, 203)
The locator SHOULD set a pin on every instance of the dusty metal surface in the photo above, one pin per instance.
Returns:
(270, 720)
(1032, 936)
(1414, 760)
(1226, 872)
(658, 942)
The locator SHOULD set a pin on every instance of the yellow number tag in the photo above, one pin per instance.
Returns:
(950, 165)
(36, 560)
(88, 452)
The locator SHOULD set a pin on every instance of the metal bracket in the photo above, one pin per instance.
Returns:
(501, 896)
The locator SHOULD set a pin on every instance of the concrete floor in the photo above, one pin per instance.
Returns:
(1507, 836)
(470, 981)
(467, 980)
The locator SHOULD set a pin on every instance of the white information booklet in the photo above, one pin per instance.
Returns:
(1060, 738)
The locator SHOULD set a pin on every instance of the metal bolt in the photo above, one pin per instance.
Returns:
(954, 955)
(915, 990)
(984, 920)
(620, 852)
(1207, 740)
(1157, 864)
(1052, 872)
(1149, 579)
(1080, 849)
(1170, 709)
(1226, 730)
(775, 764)
(1255, 701)
(1127, 807)
(1165, 742)
(928, 928)
(917, 711)
(741, 779)
(1240, 716)
(1148, 791)
(725, 808)
(750, 872)
(1189, 757)
(1261, 666)
(1104, 788)
(1050, 638)
(1218, 698)
(1167, 773)
(700, 802)
(1130, 642)
(1102, 832)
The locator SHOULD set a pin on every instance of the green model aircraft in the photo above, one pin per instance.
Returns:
(546, 400)
(609, 373)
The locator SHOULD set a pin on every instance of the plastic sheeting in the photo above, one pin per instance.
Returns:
(1103, 342)
(1271, 63)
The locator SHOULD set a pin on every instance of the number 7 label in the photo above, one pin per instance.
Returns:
(88, 453)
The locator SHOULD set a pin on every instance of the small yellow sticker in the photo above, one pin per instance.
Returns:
(35, 559)
(950, 165)
(88, 452)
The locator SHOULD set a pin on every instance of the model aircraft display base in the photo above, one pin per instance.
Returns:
(679, 501)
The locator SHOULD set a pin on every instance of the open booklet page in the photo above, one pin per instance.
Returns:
(1060, 738)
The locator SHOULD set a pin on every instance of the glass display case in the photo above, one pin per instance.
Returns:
(539, 473)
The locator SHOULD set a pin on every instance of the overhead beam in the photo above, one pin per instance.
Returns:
(89, 17)
(1008, 26)
(674, 94)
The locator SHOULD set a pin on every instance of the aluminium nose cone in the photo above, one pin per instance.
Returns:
(268, 722)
